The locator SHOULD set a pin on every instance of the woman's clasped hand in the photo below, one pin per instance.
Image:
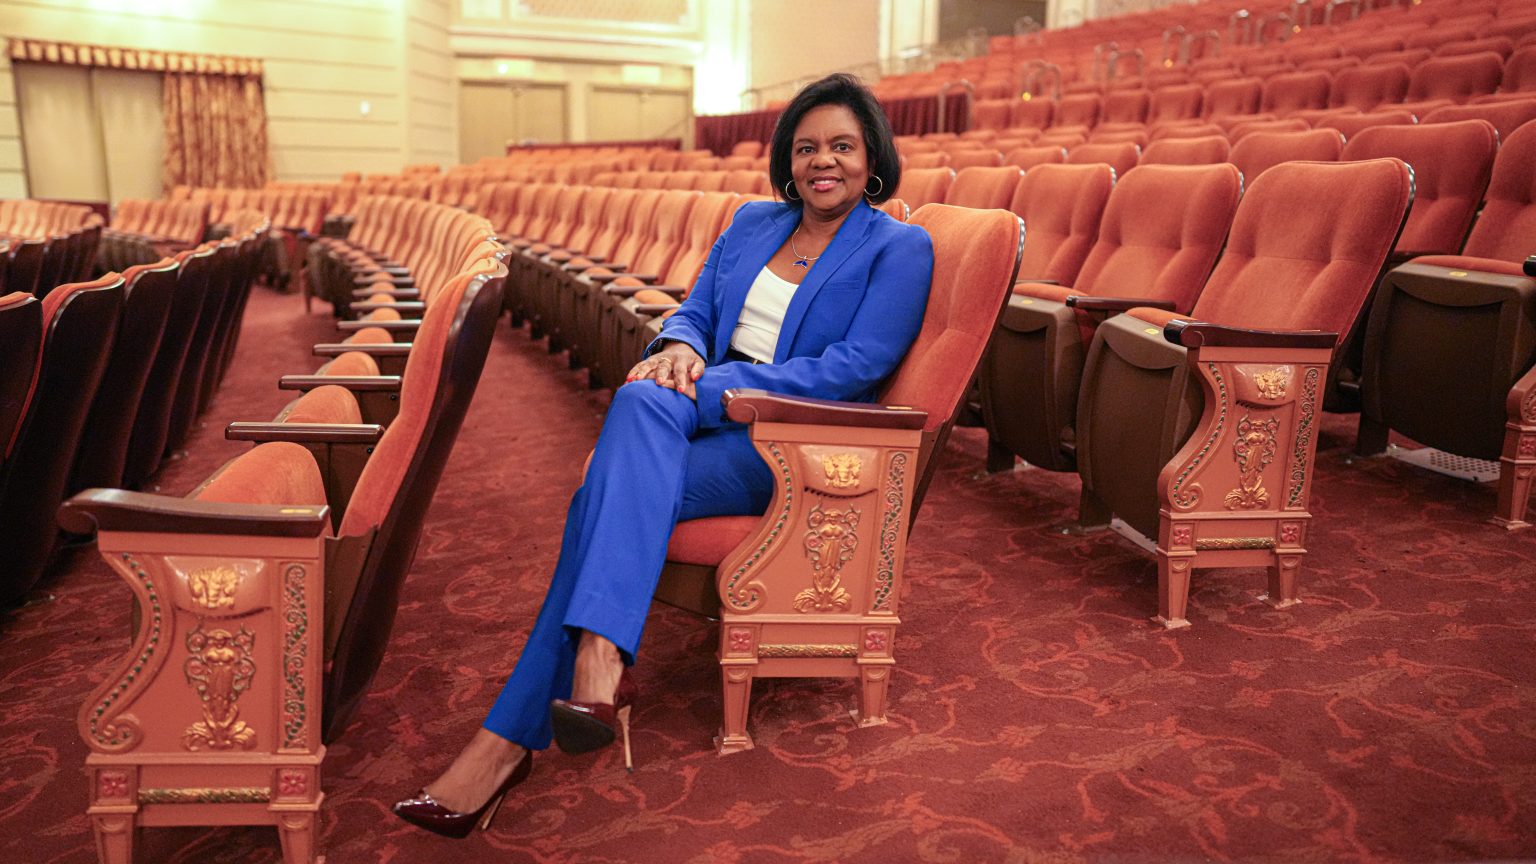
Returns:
(676, 366)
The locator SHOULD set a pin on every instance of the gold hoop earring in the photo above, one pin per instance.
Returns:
(788, 186)
(876, 193)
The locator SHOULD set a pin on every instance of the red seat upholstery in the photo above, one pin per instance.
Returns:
(1204, 150)
(1261, 151)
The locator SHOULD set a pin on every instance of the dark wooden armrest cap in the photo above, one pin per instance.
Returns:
(1530, 266)
(654, 309)
(357, 383)
(392, 280)
(407, 325)
(632, 290)
(306, 433)
(405, 293)
(749, 405)
(1115, 304)
(398, 306)
(605, 278)
(372, 349)
(121, 510)
(1022, 281)
(1193, 334)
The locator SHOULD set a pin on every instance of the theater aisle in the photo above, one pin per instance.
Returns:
(1036, 714)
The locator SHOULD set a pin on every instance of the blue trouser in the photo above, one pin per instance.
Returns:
(652, 467)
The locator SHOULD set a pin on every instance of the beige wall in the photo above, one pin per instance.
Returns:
(324, 59)
(794, 39)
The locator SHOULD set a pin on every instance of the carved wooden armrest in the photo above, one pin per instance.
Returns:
(399, 306)
(119, 510)
(605, 278)
(1112, 305)
(1521, 403)
(408, 325)
(401, 293)
(355, 383)
(632, 290)
(372, 349)
(306, 433)
(584, 263)
(753, 406)
(1194, 334)
(1397, 259)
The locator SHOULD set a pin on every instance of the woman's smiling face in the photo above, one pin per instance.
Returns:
(829, 161)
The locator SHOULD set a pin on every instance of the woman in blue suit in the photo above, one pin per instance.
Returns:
(820, 295)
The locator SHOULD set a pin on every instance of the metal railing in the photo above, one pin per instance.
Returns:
(970, 96)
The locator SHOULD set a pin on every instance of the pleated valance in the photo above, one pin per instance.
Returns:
(80, 54)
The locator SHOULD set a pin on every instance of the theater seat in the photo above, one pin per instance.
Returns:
(1121, 157)
(1452, 338)
(1029, 157)
(1162, 229)
(79, 322)
(1061, 205)
(21, 339)
(1205, 150)
(1200, 431)
(922, 186)
(853, 475)
(1261, 151)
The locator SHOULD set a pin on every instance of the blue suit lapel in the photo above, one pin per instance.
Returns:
(744, 273)
(850, 236)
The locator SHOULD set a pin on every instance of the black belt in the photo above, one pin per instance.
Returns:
(733, 354)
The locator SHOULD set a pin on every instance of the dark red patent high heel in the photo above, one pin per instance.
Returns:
(423, 811)
(581, 727)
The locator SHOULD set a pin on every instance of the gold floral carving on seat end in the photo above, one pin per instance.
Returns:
(829, 544)
(1253, 450)
(219, 669)
(1271, 383)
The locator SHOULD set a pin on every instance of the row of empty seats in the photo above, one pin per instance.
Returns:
(44, 244)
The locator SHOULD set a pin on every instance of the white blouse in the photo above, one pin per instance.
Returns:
(757, 330)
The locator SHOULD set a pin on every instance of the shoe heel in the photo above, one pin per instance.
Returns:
(490, 813)
(629, 762)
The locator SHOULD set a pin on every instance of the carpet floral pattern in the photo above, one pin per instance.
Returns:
(1037, 716)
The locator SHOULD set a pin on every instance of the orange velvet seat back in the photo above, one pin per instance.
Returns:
(1451, 167)
(922, 186)
(667, 232)
(1351, 125)
(1204, 150)
(984, 188)
(1457, 78)
(1162, 230)
(1506, 117)
(1081, 109)
(642, 227)
(1029, 157)
(1507, 225)
(1180, 102)
(922, 161)
(970, 283)
(1236, 96)
(708, 217)
(594, 210)
(962, 158)
(991, 114)
(1032, 113)
(1306, 245)
(615, 220)
(1365, 87)
(1295, 91)
(1061, 206)
(381, 480)
(1125, 106)
(1520, 71)
(1261, 151)
(1122, 157)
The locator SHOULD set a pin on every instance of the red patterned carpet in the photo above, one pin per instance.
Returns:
(1037, 716)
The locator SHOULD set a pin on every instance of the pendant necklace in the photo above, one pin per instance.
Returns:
(804, 261)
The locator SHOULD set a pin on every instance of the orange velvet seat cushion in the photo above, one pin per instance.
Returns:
(1476, 265)
(328, 404)
(708, 541)
(371, 336)
(1059, 293)
(278, 472)
(651, 295)
(351, 363)
(1156, 317)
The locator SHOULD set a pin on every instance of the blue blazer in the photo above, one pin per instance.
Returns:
(848, 326)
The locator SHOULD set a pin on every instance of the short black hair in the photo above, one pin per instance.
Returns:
(879, 142)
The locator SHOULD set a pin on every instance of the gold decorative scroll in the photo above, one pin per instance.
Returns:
(1271, 382)
(228, 795)
(842, 469)
(1230, 543)
(82, 54)
(807, 650)
(829, 544)
(1254, 449)
(219, 669)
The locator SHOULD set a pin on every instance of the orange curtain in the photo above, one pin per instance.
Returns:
(215, 131)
